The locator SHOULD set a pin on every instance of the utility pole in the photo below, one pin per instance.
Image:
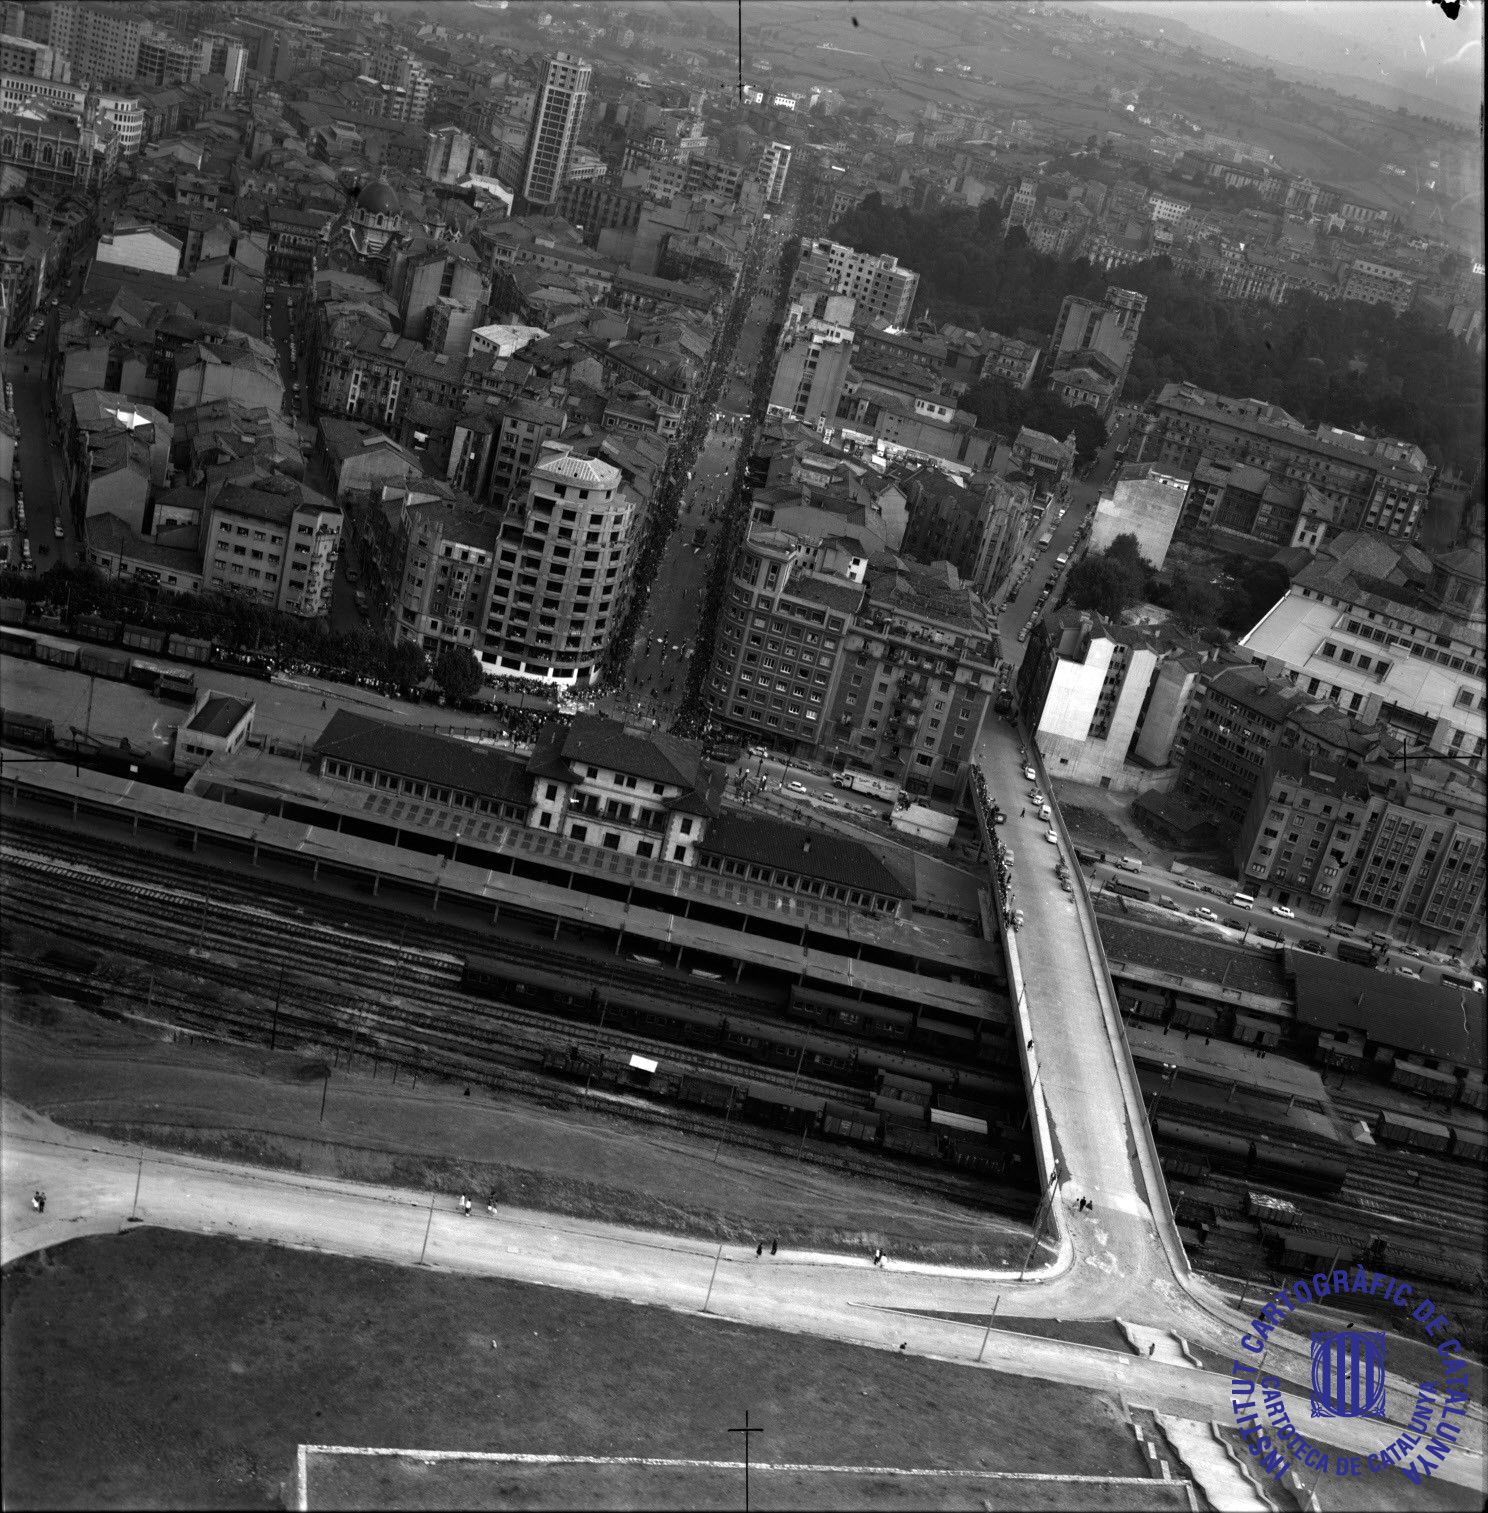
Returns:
(274, 1023)
(746, 1431)
(741, 106)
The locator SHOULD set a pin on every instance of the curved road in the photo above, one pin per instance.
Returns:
(95, 1185)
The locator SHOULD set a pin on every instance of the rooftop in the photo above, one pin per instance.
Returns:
(220, 716)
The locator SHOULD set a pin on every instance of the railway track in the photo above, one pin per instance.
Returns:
(153, 877)
(353, 990)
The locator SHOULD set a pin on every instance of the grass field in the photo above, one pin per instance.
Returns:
(408, 1482)
(171, 1370)
(248, 1104)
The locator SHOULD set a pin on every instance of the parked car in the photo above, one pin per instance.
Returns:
(1030, 774)
(1282, 912)
(1314, 947)
(1204, 912)
(796, 787)
(1405, 971)
(1052, 836)
(1275, 937)
(57, 529)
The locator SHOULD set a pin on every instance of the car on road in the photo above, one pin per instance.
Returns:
(57, 529)
(1404, 971)
(1274, 937)
(998, 817)
(1052, 836)
(1023, 634)
(1282, 912)
(1235, 924)
(1204, 912)
(1313, 947)
(755, 751)
(796, 787)
(1415, 951)
(1029, 773)
(1036, 797)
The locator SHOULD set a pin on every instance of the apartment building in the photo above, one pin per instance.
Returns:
(449, 557)
(1146, 502)
(791, 599)
(563, 576)
(164, 59)
(977, 522)
(274, 540)
(1376, 483)
(1106, 701)
(28, 59)
(1420, 875)
(1385, 632)
(1377, 284)
(883, 291)
(812, 358)
(100, 41)
(1095, 339)
(774, 167)
(1384, 849)
(1007, 357)
(555, 129)
(919, 671)
(92, 108)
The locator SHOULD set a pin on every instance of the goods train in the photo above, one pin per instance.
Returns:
(923, 1134)
(919, 1104)
(34, 644)
(1442, 1139)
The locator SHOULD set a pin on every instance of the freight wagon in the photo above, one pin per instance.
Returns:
(141, 638)
(103, 664)
(12, 611)
(1426, 1080)
(17, 643)
(1391, 1128)
(1225, 1151)
(25, 729)
(56, 653)
(190, 649)
(176, 685)
(95, 628)
(145, 674)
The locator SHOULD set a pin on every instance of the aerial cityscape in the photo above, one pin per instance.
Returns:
(787, 755)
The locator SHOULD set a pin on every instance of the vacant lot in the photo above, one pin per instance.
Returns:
(169, 1370)
(248, 1104)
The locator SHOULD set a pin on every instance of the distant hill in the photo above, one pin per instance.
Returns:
(1411, 56)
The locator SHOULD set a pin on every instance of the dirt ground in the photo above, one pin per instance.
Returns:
(250, 1104)
(170, 1370)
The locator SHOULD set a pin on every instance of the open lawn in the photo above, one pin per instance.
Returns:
(249, 1104)
(170, 1370)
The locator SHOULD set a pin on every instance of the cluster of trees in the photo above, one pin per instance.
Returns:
(1000, 406)
(1351, 365)
(239, 624)
(1111, 581)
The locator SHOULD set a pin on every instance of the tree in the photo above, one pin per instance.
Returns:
(458, 673)
(407, 665)
(1108, 584)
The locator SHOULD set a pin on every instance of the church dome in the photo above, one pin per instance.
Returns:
(377, 198)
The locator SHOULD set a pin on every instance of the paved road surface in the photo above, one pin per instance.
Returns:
(91, 1187)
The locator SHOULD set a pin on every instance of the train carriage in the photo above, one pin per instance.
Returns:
(142, 638)
(1469, 1144)
(1392, 1128)
(145, 674)
(190, 649)
(785, 1108)
(176, 684)
(56, 653)
(906, 1140)
(1426, 1080)
(103, 664)
(12, 611)
(96, 629)
(15, 642)
(26, 729)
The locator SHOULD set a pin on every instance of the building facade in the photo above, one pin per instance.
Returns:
(884, 292)
(555, 129)
(277, 544)
(563, 576)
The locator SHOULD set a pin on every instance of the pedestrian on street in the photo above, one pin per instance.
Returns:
(38, 1201)
(1022, 814)
(878, 1257)
(464, 1207)
(759, 1249)
(1151, 1346)
(774, 1245)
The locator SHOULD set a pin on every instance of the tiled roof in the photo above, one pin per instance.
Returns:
(762, 841)
(220, 715)
(1427, 1018)
(654, 757)
(441, 760)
